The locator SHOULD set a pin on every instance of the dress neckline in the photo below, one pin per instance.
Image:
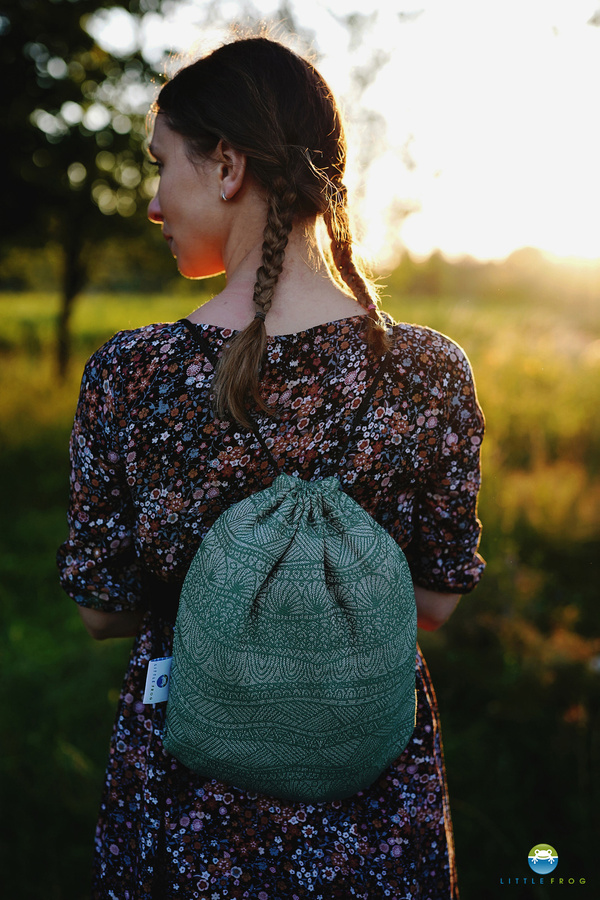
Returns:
(290, 335)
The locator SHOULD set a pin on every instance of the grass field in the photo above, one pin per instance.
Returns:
(517, 668)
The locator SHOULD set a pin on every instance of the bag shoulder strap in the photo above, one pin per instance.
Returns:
(361, 412)
(213, 359)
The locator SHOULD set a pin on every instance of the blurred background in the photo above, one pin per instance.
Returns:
(474, 175)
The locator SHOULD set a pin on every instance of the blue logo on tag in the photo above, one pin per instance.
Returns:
(156, 689)
(543, 859)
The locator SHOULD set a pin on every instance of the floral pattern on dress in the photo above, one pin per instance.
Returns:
(152, 469)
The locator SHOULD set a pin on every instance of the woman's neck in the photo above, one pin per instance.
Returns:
(305, 295)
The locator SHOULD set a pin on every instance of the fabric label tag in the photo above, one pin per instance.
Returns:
(158, 680)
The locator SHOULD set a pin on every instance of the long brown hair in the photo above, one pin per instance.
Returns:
(272, 105)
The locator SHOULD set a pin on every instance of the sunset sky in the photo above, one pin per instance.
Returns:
(493, 103)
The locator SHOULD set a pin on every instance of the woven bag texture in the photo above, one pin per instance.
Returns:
(295, 643)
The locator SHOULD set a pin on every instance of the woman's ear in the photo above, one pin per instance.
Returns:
(232, 169)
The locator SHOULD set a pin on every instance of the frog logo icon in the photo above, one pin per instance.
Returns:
(543, 859)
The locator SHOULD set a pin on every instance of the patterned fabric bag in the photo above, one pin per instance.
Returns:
(295, 644)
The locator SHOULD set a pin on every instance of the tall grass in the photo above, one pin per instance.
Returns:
(517, 668)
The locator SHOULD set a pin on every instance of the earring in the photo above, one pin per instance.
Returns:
(223, 197)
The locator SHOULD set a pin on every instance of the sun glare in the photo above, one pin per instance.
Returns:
(491, 104)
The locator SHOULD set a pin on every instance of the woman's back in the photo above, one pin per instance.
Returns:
(183, 466)
(145, 407)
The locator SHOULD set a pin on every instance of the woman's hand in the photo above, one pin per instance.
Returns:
(433, 608)
(102, 625)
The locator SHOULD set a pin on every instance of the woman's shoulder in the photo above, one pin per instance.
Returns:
(130, 360)
(419, 344)
(135, 347)
(437, 365)
(157, 337)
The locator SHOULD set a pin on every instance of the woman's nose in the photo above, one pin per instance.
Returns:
(154, 213)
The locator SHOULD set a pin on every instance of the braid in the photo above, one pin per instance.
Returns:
(280, 216)
(238, 373)
(338, 228)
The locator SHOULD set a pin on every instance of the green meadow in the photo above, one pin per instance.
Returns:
(517, 668)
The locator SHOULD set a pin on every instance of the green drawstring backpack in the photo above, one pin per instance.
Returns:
(295, 644)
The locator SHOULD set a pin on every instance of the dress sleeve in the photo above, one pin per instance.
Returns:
(443, 552)
(98, 565)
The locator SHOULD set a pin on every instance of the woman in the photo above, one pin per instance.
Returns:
(250, 150)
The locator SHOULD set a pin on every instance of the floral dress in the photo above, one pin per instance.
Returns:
(152, 469)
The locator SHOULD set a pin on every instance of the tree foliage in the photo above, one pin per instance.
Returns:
(72, 132)
(73, 125)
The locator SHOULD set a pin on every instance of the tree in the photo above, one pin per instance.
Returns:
(74, 125)
(72, 132)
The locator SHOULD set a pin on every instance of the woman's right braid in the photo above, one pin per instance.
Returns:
(338, 228)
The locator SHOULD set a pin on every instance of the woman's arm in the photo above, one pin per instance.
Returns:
(434, 608)
(442, 552)
(101, 625)
(98, 564)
